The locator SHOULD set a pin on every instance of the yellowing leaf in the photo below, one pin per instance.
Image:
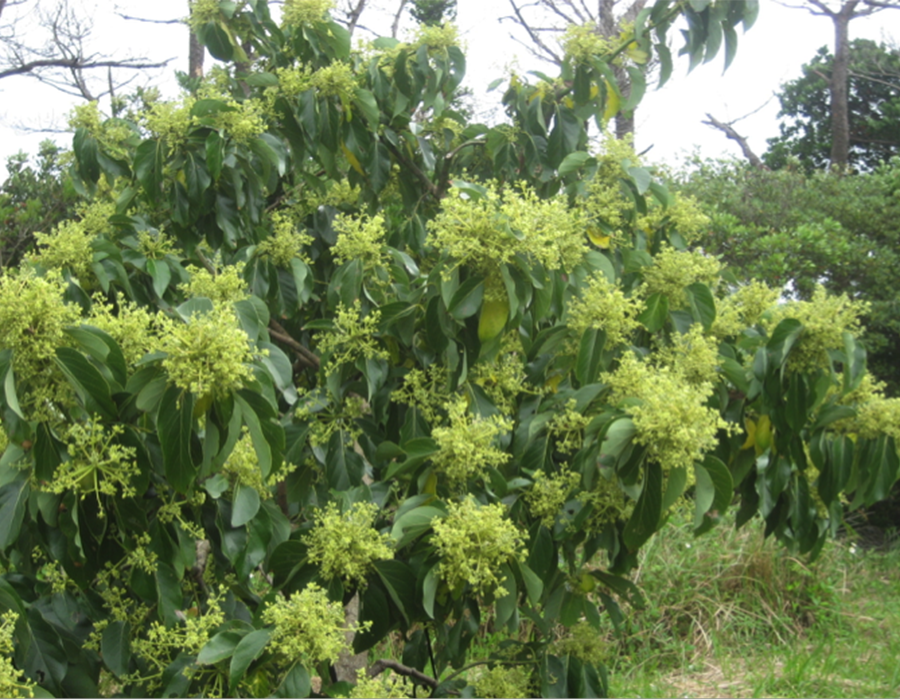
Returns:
(352, 159)
(751, 434)
(612, 103)
(493, 319)
(763, 434)
(552, 383)
(598, 238)
(635, 54)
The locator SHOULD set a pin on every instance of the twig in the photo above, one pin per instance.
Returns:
(277, 331)
(383, 664)
(735, 136)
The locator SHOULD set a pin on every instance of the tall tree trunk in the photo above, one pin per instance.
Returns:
(196, 53)
(840, 118)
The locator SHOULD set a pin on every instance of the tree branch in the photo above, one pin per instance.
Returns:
(383, 664)
(76, 63)
(534, 37)
(407, 163)
(307, 356)
(734, 136)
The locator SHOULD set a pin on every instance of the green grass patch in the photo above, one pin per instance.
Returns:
(730, 614)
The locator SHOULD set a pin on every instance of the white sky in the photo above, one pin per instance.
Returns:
(669, 120)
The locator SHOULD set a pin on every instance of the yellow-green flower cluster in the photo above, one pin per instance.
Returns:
(474, 541)
(360, 238)
(170, 121)
(609, 503)
(502, 380)
(96, 464)
(68, 247)
(425, 390)
(208, 355)
(584, 42)
(604, 199)
(224, 286)
(347, 544)
(86, 116)
(297, 12)
(436, 38)
(742, 309)
(674, 270)
(4, 440)
(286, 243)
(604, 306)
(33, 317)
(155, 246)
(133, 327)
(584, 643)
(335, 80)
(466, 445)
(824, 319)
(694, 355)
(875, 414)
(352, 337)
(684, 214)
(202, 11)
(492, 230)
(670, 414)
(567, 427)
(13, 683)
(505, 682)
(244, 121)
(308, 626)
(379, 687)
(111, 133)
(95, 216)
(242, 466)
(162, 644)
(548, 494)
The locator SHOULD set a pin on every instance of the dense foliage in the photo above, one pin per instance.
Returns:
(315, 338)
(873, 103)
(800, 230)
(35, 197)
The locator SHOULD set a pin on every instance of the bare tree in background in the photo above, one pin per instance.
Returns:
(841, 13)
(543, 20)
(48, 42)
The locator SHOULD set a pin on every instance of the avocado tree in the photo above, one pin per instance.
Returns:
(315, 338)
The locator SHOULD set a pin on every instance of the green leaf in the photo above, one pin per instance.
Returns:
(641, 178)
(174, 423)
(245, 506)
(573, 162)
(247, 650)
(13, 501)
(655, 313)
(115, 647)
(89, 384)
(645, 519)
(429, 590)
(399, 580)
(220, 647)
(783, 338)
(217, 40)
(9, 383)
(590, 353)
(703, 305)
(467, 299)
(87, 155)
(296, 683)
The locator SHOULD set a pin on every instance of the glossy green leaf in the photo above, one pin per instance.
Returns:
(175, 422)
(245, 653)
(645, 518)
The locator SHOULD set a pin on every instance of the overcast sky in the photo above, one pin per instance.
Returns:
(669, 120)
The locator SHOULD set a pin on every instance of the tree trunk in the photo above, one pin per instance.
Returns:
(840, 119)
(195, 57)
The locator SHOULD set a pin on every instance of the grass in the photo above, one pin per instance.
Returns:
(732, 615)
